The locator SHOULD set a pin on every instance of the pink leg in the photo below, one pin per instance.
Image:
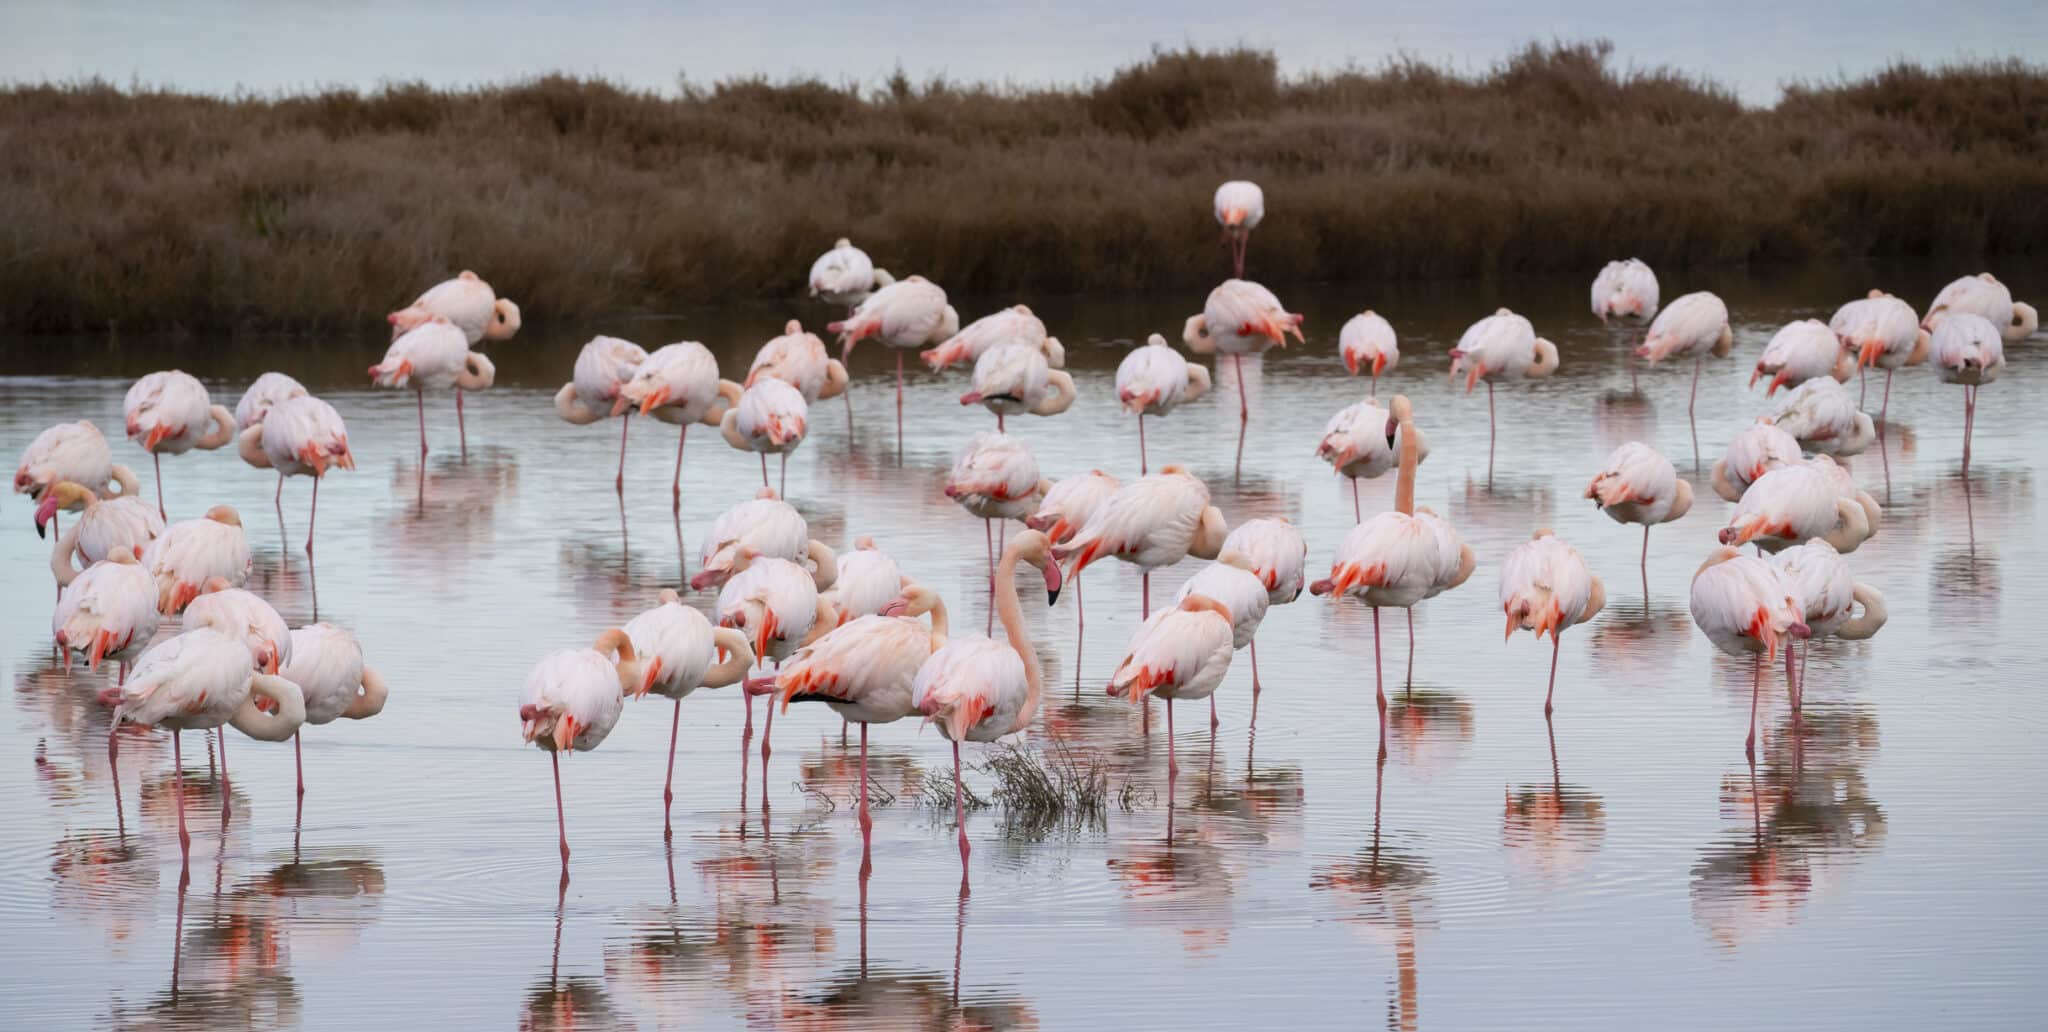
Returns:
(1080, 631)
(178, 785)
(764, 469)
(668, 793)
(1552, 690)
(277, 496)
(1884, 408)
(767, 730)
(899, 418)
(999, 423)
(561, 822)
(226, 782)
(299, 763)
(1213, 722)
(1793, 689)
(1244, 410)
(748, 733)
(867, 823)
(1644, 562)
(314, 517)
(1969, 424)
(625, 423)
(1755, 686)
(420, 398)
(784, 489)
(1690, 403)
(675, 490)
(1357, 513)
(1145, 595)
(1172, 764)
(461, 428)
(1491, 423)
(158, 462)
(1255, 682)
(1143, 467)
(1378, 683)
(960, 813)
(1411, 647)
(1862, 385)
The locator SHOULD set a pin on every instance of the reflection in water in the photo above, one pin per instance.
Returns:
(1622, 416)
(1805, 816)
(1552, 829)
(1383, 892)
(1428, 729)
(104, 878)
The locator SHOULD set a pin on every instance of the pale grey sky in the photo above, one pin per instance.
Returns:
(220, 45)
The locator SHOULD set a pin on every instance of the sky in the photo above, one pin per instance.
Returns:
(295, 45)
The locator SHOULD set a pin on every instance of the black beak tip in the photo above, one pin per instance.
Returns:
(1052, 597)
(42, 530)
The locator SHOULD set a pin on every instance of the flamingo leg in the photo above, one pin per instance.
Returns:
(1862, 385)
(1080, 630)
(1792, 686)
(1410, 683)
(1884, 407)
(999, 423)
(784, 489)
(461, 429)
(314, 516)
(626, 423)
(1969, 424)
(1145, 595)
(867, 823)
(748, 732)
(1755, 686)
(1254, 723)
(419, 395)
(899, 426)
(226, 782)
(675, 490)
(1378, 683)
(1172, 765)
(767, 730)
(1357, 514)
(764, 469)
(1143, 467)
(1552, 690)
(1690, 403)
(158, 461)
(299, 763)
(1491, 423)
(960, 814)
(1213, 722)
(1244, 410)
(668, 782)
(277, 496)
(561, 822)
(178, 785)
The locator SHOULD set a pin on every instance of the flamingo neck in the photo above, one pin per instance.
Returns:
(1012, 616)
(270, 727)
(939, 625)
(1404, 487)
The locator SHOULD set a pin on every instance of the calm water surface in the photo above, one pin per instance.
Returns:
(1619, 866)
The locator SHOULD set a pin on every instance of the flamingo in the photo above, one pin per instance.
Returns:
(1151, 523)
(1273, 550)
(1791, 504)
(123, 521)
(905, 315)
(1746, 607)
(1802, 351)
(1822, 416)
(246, 617)
(1967, 351)
(1013, 324)
(679, 385)
(107, 612)
(1694, 326)
(571, 700)
(770, 417)
(868, 581)
(75, 452)
(1982, 295)
(190, 553)
(1758, 449)
(1240, 316)
(1240, 207)
(1181, 652)
(300, 437)
(799, 360)
(776, 604)
(1625, 292)
(169, 411)
(976, 689)
(603, 368)
(1501, 346)
(679, 652)
(761, 527)
(994, 476)
(1062, 512)
(1882, 331)
(1363, 441)
(845, 275)
(200, 680)
(266, 393)
(1640, 485)
(1367, 343)
(433, 354)
(1153, 380)
(1546, 586)
(1232, 583)
(1829, 595)
(864, 670)
(1397, 558)
(327, 664)
(1012, 378)
(470, 305)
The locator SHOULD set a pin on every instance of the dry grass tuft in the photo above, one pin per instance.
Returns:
(1038, 791)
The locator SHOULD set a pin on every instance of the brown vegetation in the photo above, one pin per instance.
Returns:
(578, 198)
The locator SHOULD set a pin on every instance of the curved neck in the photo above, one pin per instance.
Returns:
(1404, 487)
(738, 659)
(371, 702)
(270, 727)
(940, 628)
(1012, 616)
(124, 478)
(223, 428)
(250, 446)
(60, 555)
(826, 562)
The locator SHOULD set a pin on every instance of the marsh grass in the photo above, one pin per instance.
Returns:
(149, 209)
(1038, 790)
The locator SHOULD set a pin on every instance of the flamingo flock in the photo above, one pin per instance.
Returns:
(787, 616)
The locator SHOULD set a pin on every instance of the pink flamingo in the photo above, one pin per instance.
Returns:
(434, 354)
(1274, 551)
(905, 315)
(679, 652)
(1640, 485)
(1154, 380)
(679, 385)
(327, 665)
(1967, 351)
(470, 305)
(1502, 346)
(170, 412)
(300, 437)
(1362, 441)
(1013, 378)
(1178, 653)
(1747, 607)
(1545, 585)
(1239, 317)
(1240, 207)
(603, 369)
(1694, 326)
(1881, 331)
(770, 418)
(1367, 344)
(1802, 351)
(571, 700)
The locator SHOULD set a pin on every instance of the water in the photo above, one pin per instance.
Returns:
(1878, 867)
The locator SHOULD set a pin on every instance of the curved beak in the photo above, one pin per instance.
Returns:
(1052, 582)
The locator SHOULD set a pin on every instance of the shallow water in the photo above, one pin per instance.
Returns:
(1878, 866)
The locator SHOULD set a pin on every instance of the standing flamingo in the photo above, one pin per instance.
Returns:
(269, 390)
(868, 581)
(978, 690)
(1967, 350)
(1982, 295)
(1397, 558)
(1061, 514)
(1153, 522)
(1546, 586)
(1640, 485)
(327, 665)
(1231, 583)
(75, 452)
(199, 680)
(1794, 503)
(776, 604)
(865, 670)
(1362, 441)
(603, 368)
(1015, 324)
(1822, 416)
(170, 412)
(904, 315)
(1746, 607)
(470, 305)
(1239, 317)
(845, 275)
(1802, 351)
(769, 418)
(1012, 378)
(995, 477)
(679, 385)
(761, 527)
(1694, 326)
(1178, 653)
(1240, 207)
(1273, 550)
(1154, 380)
(1625, 292)
(679, 652)
(190, 553)
(1881, 331)
(571, 700)
(300, 437)
(799, 360)
(107, 612)
(1367, 343)
(434, 355)
(1758, 449)
(123, 521)
(246, 617)
(1829, 597)
(1501, 346)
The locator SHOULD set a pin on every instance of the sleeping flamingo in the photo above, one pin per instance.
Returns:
(1625, 292)
(1367, 343)
(1015, 324)
(1240, 317)
(107, 612)
(1829, 595)
(470, 305)
(571, 700)
(123, 521)
(679, 652)
(170, 412)
(776, 604)
(1802, 351)
(1967, 350)
(1274, 551)
(868, 581)
(679, 385)
(327, 665)
(1362, 441)
(1152, 522)
(1822, 416)
(1154, 380)
(1178, 653)
(1746, 607)
(300, 437)
(269, 390)
(769, 418)
(1758, 449)
(764, 526)
(1232, 583)
(1794, 503)
(1694, 326)
(1545, 585)
(75, 452)
(976, 689)
(1640, 485)
(434, 354)
(245, 617)
(1240, 207)
(1013, 378)
(845, 275)
(190, 553)
(799, 360)
(1881, 331)
(1502, 346)
(1982, 295)
(995, 477)
(603, 369)
(905, 315)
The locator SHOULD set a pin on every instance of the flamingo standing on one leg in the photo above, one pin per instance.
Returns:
(1240, 207)
(679, 385)
(1802, 351)
(1968, 351)
(327, 665)
(868, 581)
(469, 304)
(1178, 653)
(1545, 585)
(108, 612)
(1154, 380)
(770, 418)
(1882, 331)
(978, 690)
(1694, 326)
(170, 412)
(1501, 346)
(1758, 449)
(678, 652)
(571, 700)
(433, 354)
(776, 604)
(995, 477)
(1640, 485)
(123, 521)
(603, 369)
(845, 275)
(905, 315)
(1796, 503)
(1984, 296)
(1015, 324)
(1231, 582)
(1822, 416)
(246, 617)
(1625, 292)
(190, 553)
(1060, 515)
(1746, 607)
(1830, 597)
(1273, 550)
(266, 393)
(1152, 522)
(1367, 344)
(762, 527)
(1362, 441)
(300, 437)
(1240, 317)
(799, 360)
(1013, 378)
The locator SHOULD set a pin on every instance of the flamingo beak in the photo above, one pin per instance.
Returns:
(1052, 583)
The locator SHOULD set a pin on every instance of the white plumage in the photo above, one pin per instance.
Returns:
(1152, 522)
(1758, 449)
(677, 382)
(1639, 485)
(107, 612)
(868, 580)
(763, 527)
(1626, 292)
(1013, 377)
(1693, 326)
(845, 275)
(571, 700)
(104, 525)
(1070, 502)
(1802, 351)
(603, 368)
(304, 436)
(70, 451)
(994, 476)
(1545, 585)
(679, 651)
(468, 303)
(1368, 346)
(798, 358)
(1363, 441)
(1240, 591)
(246, 617)
(1822, 416)
(774, 602)
(1013, 325)
(1273, 550)
(1983, 296)
(1828, 592)
(1880, 330)
(1745, 605)
(1180, 652)
(1968, 350)
(203, 679)
(170, 413)
(1240, 204)
(1154, 379)
(1792, 503)
(910, 313)
(191, 552)
(1239, 318)
(865, 670)
(433, 355)
(770, 418)
(327, 665)
(1502, 346)
(263, 395)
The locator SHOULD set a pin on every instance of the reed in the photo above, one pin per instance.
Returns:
(146, 209)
